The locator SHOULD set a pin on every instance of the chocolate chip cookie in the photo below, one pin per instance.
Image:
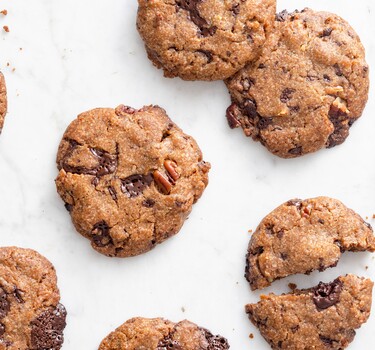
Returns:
(204, 39)
(160, 334)
(31, 317)
(320, 318)
(3, 100)
(304, 235)
(307, 88)
(128, 177)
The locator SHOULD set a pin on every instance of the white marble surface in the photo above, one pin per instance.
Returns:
(77, 55)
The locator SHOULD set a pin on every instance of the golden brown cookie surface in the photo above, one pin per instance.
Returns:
(3, 100)
(308, 87)
(301, 236)
(323, 317)
(129, 178)
(161, 334)
(204, 39)
(31, 316)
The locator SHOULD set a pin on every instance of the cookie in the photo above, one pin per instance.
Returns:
(31, 317)
(320, 318)
(160, 334)
(204, 39)
(307, 88)
(128, 178)
(3, 101)
(301, 236)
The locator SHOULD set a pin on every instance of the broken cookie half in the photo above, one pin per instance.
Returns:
(301, 236)
(323, 317)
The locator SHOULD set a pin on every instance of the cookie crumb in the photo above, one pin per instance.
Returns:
(292, 286)
(8, 64)
(13, 69)
(4, 12)
(373, 216)
(366, 267)
(6, 29)
(366, 217)
(250, 231)
(251, 336)
(183, 309)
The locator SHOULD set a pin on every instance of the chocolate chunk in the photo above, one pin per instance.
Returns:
(233, 116)
(192, 7)
(296, 202)
(18, 295)
(215, 342)
(340, 120)
(326, 341)
(47, 329)
(250, 108)
(134, 185)
(2, 329)
(107, 164)
(326, 78)
(68, 207)
(338, 70)
(208, 55)
(296, 151)
(167, 343)
(282, 16)
(327, 294)
(236, 9)
(148, 203)
(261, 66)
(100, 234)
(286, 95)
(326, 32)
(4, 303)
(112, 192)
(263, 123)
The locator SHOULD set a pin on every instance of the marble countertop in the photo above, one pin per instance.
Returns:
(66, 57)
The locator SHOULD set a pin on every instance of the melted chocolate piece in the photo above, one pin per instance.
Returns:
(107, 163)
(250, 108)
(296, 202)
(4, 303)
(68, 207)
(264, 123)
(2, 329)
(192, 7)
(100, 234)
(47, 329)
(326, 32)
(208, 55)
(286, 95)
(341, 122)
(134, 185)
(215, 342)
(296, 151)
(18, 295)
(327, 294)
(232, 116)
(338, 70)
(167, 343)
(148, 203)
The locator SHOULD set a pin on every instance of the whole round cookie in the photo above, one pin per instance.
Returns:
(128, 177)
(204, 39)
(3, 100)
(308, 87)
(31, 316)
(160, 334)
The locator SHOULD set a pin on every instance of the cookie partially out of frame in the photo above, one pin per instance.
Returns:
(3, 100)
(31, 317)
(301, 236)
(307, 88)
(320, 318)
(204, 39)
(128, 177)
(161, 334)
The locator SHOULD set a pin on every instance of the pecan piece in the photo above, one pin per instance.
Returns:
(171, 167)
(162, 181)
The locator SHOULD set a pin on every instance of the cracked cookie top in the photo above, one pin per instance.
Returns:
(323, 317)
(31, 317)
(204, 39)
(301, 236)
(307, 88)
(161, 334)
(3, 100)
(128, 177)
